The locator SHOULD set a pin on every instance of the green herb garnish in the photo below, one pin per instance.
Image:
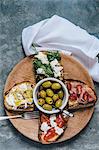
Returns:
(53, 55)
(37, 63)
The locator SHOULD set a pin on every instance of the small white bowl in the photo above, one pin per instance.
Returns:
(54, 110)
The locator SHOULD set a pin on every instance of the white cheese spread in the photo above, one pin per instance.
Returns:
(23, 86)
(10, 99)
(15, 97)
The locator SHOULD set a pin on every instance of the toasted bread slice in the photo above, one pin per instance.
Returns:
(80, 95)
(20, 97)
(51, 135)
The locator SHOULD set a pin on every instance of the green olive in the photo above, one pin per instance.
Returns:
(47, 84)
(47, 107)
(49, 100)
(58, 103)
(60, 94)
(55, 97)
(49, 92)
(42, 94)
(41, 101)
(56, 86)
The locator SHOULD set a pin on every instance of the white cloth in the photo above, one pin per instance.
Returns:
(59, 33)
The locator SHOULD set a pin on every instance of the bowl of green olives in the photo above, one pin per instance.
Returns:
(50, 95)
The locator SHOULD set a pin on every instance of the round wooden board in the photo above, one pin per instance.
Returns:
(23, 71)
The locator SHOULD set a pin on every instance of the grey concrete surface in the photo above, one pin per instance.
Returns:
(14, 16)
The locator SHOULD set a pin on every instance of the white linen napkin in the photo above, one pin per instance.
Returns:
(59, 33)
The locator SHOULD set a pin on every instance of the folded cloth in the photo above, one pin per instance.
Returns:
(59, 33)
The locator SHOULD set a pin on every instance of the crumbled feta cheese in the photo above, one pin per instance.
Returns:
(40, 71)
(42, 57)
(53, 123)
(45, 127)
(53, 117)
(57, 68)
(54, 63)
(52, 120)
(58, 130)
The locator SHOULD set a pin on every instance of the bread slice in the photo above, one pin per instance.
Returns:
(19, 97)
(51, 135)
(80, 95)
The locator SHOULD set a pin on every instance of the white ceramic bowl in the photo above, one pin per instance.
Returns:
(54, 110)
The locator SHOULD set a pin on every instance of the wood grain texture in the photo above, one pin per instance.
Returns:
(23, 71)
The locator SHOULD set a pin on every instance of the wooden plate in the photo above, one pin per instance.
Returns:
(23, 71)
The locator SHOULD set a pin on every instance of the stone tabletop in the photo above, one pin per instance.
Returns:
(14, 16)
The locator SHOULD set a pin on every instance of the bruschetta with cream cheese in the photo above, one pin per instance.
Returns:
(20, 97)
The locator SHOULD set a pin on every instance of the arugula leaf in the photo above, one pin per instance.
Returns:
(48, 70)
(37, 63)
(53, 55)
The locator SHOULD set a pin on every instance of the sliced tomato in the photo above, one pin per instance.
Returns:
(50, 134)
(73, 96)
(69, 86)
(60, 121)
(79, 89)
(90, 98)
(85, 96)
(44, 118)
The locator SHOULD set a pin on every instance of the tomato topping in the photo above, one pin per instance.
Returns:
(73, 96)
(69, 86)
(79, 89)
(90, 98)
(44, 118)
(60, 121)
(50, 134)
(85, 96)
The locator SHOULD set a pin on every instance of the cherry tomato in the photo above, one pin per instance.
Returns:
(73, 96)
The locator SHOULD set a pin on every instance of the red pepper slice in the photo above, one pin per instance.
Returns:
(50, 134)
(60, 121)
(44, 118)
